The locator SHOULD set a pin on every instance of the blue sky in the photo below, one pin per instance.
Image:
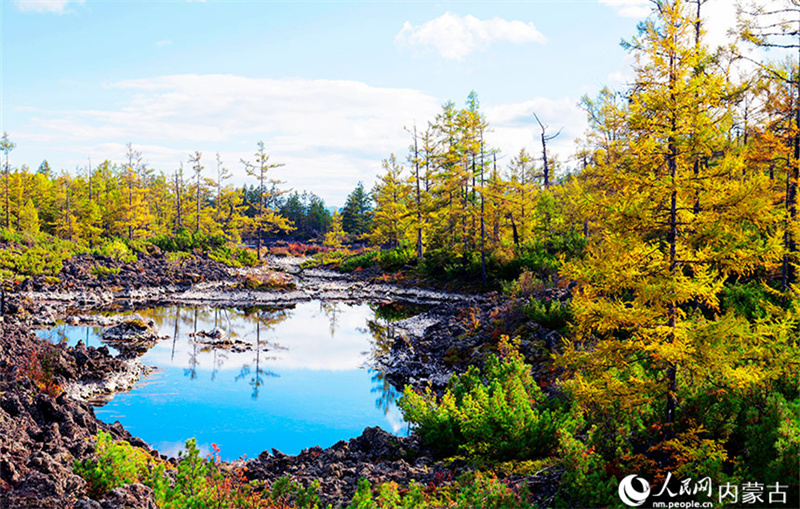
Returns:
(328, 86)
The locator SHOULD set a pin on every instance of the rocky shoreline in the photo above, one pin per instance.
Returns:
(406, 363)
(41, 436)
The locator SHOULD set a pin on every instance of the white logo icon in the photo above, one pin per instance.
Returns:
(630, 495)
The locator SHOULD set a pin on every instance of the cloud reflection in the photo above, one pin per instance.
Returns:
(312, 335)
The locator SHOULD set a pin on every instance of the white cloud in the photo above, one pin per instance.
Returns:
(56, 6)
(165, 42)
(330, 134)
(455, 37)
(630, 8)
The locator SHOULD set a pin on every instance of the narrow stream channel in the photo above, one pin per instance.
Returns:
(300, 377)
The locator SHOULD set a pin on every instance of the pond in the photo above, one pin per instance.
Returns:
(301, 377)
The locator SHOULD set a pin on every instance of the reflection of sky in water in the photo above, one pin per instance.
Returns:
(71, 334)
(306, 385)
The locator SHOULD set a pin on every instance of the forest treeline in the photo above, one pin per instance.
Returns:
(678, 231)
(132, 201)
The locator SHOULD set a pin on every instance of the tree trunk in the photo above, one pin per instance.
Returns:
(483, 226)
(419, 199)
(672, 165)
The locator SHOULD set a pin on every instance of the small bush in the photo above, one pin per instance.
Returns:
(234, 256)
(500, 413)
(472, 490)
(481, 490)
(186, 241)
(524, 286)
(363, 260)
(115, 464)
(33, 261)
(267, 282)
(51, 280)
(179, 257)
(196, 482)
(394, 259)
(330, 257)
(117, 250)
(746, 299)
(296, 249)
(39, 366)
(101, 271)
(586, 481)
(549, 313)
(288, 493)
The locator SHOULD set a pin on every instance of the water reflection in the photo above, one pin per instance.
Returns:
(332, 312)
(381, 329)
(69, 335)
(286, 378)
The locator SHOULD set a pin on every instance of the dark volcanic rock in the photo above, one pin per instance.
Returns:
(149, 270)
(376, 455)
(42, 436)
(133, 496)
(132, 337)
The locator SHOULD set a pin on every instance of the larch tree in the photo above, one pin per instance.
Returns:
(29, 219)
(197, 168)
(545, 138)
(178, 186)
(6, 145)
(777, 26)
(647, 327)
(416, 161)
(521, 190)
(135, 212)
(223, 174)
(266, 218)
(336, 235)
(391, 217)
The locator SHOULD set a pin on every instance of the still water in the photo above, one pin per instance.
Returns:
(305, 379)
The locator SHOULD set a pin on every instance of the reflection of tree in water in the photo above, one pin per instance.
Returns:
(387, 394)
(175, 331)
(382, 332)
(193, 362)
(235, 323)
(332, 312)
(269, 319)
(59, 335)
(220, 356)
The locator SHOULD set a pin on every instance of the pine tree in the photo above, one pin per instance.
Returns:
(357, 212)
